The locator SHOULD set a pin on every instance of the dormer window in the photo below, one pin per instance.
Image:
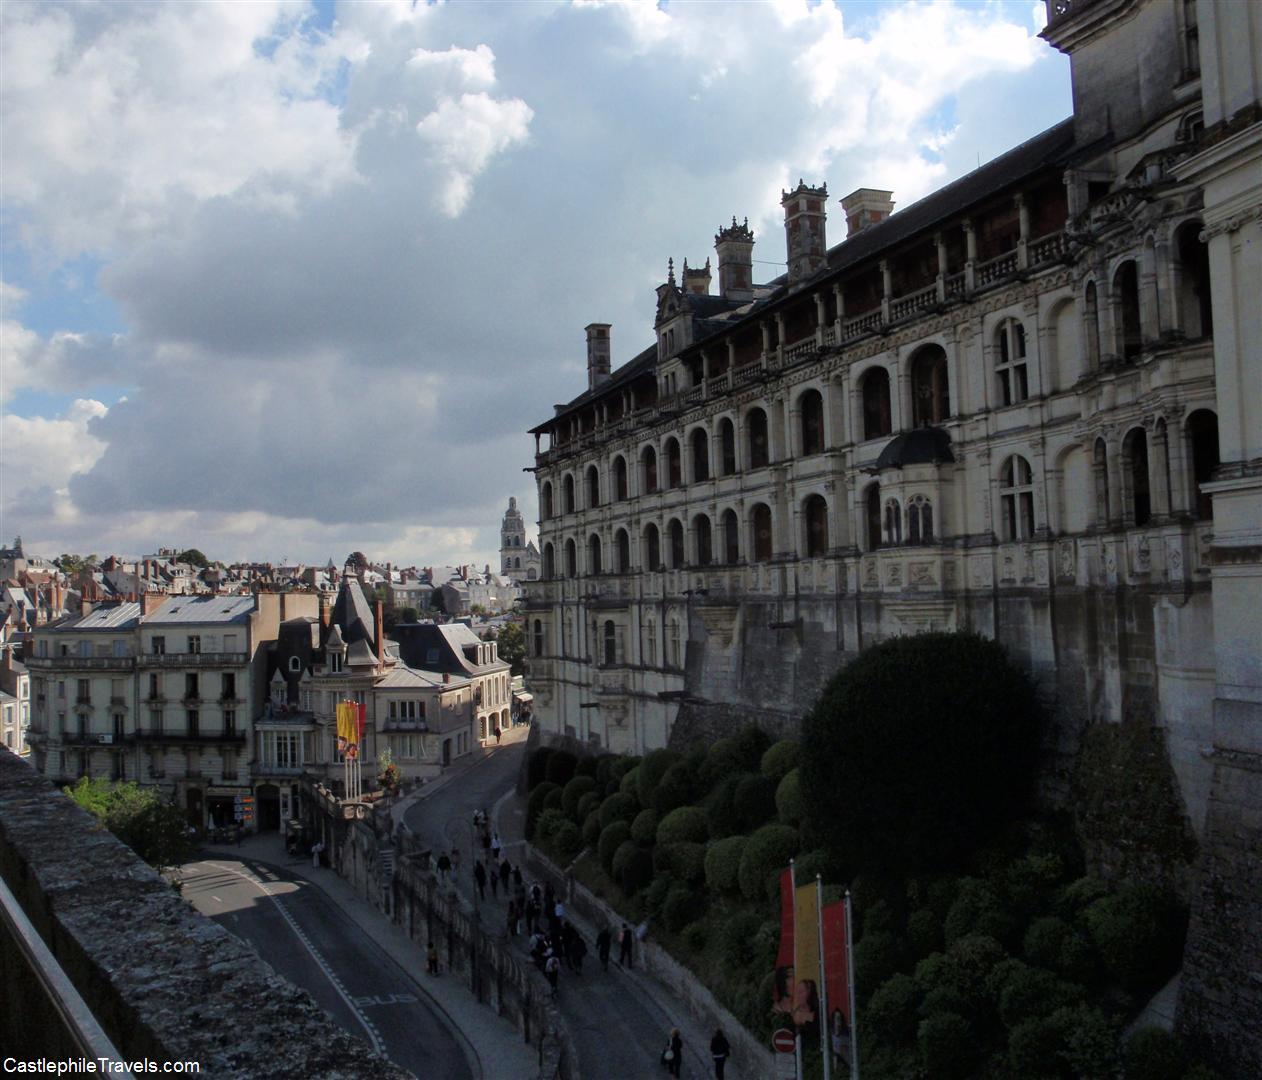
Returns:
(335, 663)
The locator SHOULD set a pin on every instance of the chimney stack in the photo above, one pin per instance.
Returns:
(150, 602)
(804, 219)
(735, 247)
(864, 207)
(697, 281)
(597, 354)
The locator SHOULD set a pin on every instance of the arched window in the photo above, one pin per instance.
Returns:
(593, 554)
(875, 388)
(1100, 472)
(545, 501)
(815, 518)
(623, 542)
(731, 538)
(811, 405)
(672, 643)
(760, 530)
(650, 643)
(676, 533)
(674, 464)
(1126, 303)
(619, 478)
(1196, 313)
(727, 436)
(919, 520)
(611, 642)
(648, 463)
(1016, 494)
(538, 637)
(872, 515)
(756, 436)
(652, 548)
(930, 395)
(593, 486)
(517, 564)
(568, 494)
(1202, 428)
(699, 442)
(701, 536)
(1135, 463)
(1091, 316)
(549, 561)
(1014, 384)
(893, 522)
(571, 559)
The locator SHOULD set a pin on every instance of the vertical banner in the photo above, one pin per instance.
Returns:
(836, 960)
(782, 990)
(806, 960)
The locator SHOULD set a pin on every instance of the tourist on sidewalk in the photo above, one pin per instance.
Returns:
(496, 846)
(626, 941)
(552, 969)
(720, 1050)
(517, 881)
(672, 1056)
(531, 912)
(578, 950)
(498, 733)
(512, 919)
(455, 864)
(604, 941)
(479, 876)
(316, 849)
(506, 870)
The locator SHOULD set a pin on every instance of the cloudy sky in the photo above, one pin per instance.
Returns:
(286, 280)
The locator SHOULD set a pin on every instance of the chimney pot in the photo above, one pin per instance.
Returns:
(864, 207)
(598, 366)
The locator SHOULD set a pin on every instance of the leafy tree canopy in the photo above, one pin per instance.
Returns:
(74, 564)
(152, 827)
(512, 645)
(917, 750)
(193, 557)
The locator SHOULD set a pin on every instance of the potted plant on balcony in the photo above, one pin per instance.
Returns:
(389, 777)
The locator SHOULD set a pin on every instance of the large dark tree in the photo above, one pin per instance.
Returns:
(917, 751)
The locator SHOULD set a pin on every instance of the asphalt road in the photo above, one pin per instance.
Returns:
(303, 935)
(619, 1032)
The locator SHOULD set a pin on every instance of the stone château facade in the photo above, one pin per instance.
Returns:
(1029, 404)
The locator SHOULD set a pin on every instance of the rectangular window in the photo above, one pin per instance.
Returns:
(229, 765)
(190, 686)
(229, 686)
(85, 648)
(120, 647)
(155, 721)
(194, 643)
(230, 643)
(193, 722)
(84, 694)
(43, 647)
(155, 691)
(229, 721)
(158, 645)
(61, 689)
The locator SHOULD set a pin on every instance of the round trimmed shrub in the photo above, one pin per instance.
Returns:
(686, 823)
(547, 824)
(622, 852)
(644, 827)
(535, 807)
(696, 936)
(653, 768)
(1052, 943)
(633, 867)
(683, 905)
(567, 841)
(780, 759)
(622, 765)
(876, 958)
(918, 751)
(618, 808)
(1033, 993)
(1034, 1044)
(591, 830)
(766, 854)
(1073, 899)
(589, 802)
(720, 808)
(561, 766)
(678, 787)
(683, 861)
(722, 760)
(978, 910)
(555, 800)
(948, 1046)
(630, 784)
(1029, 883)
(924, 932)
(586, 767)
(891, 1014)
(604, 768)
(612, 837)
(723, 863)
(655, 894)
(817, 862)
(753, 801)
(1139, 933)
(737, 938)
(789, 799)
(573, 792)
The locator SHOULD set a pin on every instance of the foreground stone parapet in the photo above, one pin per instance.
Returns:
(165, 983)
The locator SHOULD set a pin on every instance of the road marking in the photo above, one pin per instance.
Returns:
(388, 999)
(374, 1036)
(215, 898)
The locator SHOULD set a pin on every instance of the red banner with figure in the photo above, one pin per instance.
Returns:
(782, 992)
(835, 959)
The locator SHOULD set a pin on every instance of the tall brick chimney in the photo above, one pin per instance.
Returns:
(866, 206)
(735, 247)
(597, 354)
(697, 281)
(804, 219)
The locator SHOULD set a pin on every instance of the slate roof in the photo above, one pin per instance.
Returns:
(353, 613)
(105, 617)
(403, 677)
(201, 610)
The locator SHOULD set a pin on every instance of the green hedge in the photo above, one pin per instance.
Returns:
(632, 867)
(567, 841)
(591, 829)
(678, 787)
(765, 856)
(780, 759)
(687, 823)
(1139, 933)
(652, 769)
(573, 792)
(618, 808)
(547, 824)
(754, 801)
(612, 837)
(683, 905)
(630, 784)
(535, 807)
(644, 827)
(589, 802)
(789, 806)
(723, 863)
(683, 861)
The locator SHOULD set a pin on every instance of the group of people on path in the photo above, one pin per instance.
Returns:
(673, 1054)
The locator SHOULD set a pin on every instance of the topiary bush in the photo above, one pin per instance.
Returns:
(789, 807)
(554, 800)
(966, 970)
(535, 806)
(924, 932)
(765, 855)
(720, 808)
(891, 1014)
(684, 861)
(636, 869)
(687, 823)
(612, 837)
(566, 839)
(547, 824)
(722, 760)
(644, 827)
(618, 807)
(753, 801)
(561, 766)
(723, 863)
(589, 802)
(1030, 993)
(1139, 934)
(1050, 942)
(918, 750)
(678, 787)
(591, 829)
(586, 766)
(779, 759)
(622, 852)
(630, 784)
(978, 909)
(737, 935)
(651, 771)
(818, 862)
(877, 957)
(1034, 1047)
(948, 1046)
(683, 905)
(573, 792)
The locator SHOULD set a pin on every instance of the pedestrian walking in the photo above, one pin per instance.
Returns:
(496, 846)
(673, 1055)
(479, 876)
(506, 870)
(512, 919)
(444, 867)
(486, 844)
(552, 969)
(316, 849)
(495, 883)
(455, 864)
(517, 881)
(498, 733)
(603, 942)
(578, 950)
(626, 942)
(431, 959)
(720, 1050)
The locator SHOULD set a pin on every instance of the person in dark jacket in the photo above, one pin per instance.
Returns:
(479, 875)
(626, 942)
(604, 941)
(673, 1055)
(720, 1050)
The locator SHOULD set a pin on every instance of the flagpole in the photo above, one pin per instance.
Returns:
(854, 1006)
(793, 985)
(825, 1026)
